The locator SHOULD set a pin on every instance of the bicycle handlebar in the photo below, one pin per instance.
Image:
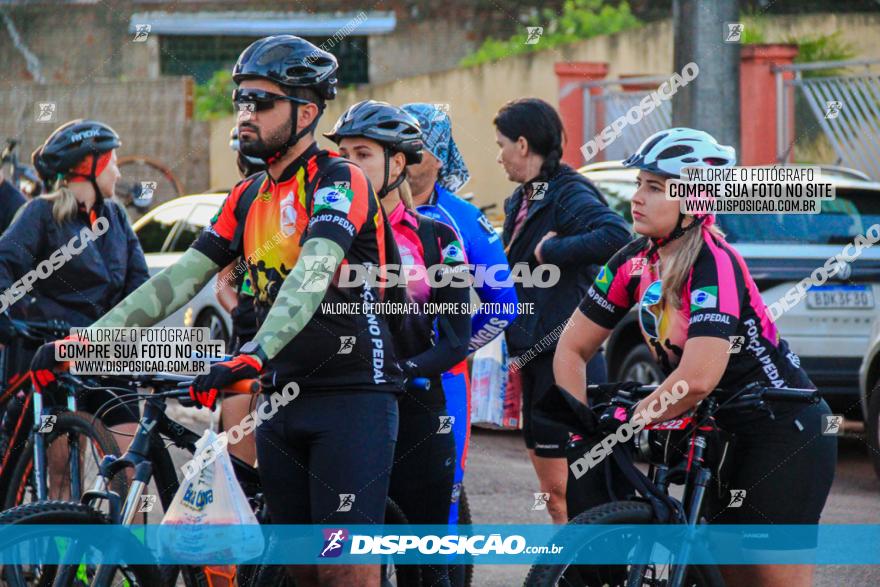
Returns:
(40, 331)
(781, 394)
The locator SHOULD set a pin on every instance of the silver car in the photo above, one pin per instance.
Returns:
(165, 233)
(830, 330)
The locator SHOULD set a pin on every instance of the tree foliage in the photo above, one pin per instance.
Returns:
(213, 98)
(578, 20)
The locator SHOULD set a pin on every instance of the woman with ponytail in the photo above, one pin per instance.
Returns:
(78, 242)
(695, 297)
(554, 217)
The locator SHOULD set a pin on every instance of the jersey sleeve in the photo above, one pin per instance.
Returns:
(342, 204)
(484, 249)
(610, 296)
(452, 251)
(716, 293)
(215, 241)
(453, 327)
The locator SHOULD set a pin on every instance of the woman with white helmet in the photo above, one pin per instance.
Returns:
(695, 294)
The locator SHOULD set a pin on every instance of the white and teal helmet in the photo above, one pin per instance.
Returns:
(668, 151)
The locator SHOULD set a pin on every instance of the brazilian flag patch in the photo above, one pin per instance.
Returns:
(453, 253)
(604, 279)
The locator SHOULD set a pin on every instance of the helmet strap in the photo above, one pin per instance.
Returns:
(93, 179)
(386, 189)
(294, 136)
(678, 232)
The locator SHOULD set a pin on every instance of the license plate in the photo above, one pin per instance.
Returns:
(830, 297)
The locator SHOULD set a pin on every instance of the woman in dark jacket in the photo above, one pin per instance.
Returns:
(555, 217)
(72, 253)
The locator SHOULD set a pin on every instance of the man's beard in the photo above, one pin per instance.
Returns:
(420, 182)
(264, 149)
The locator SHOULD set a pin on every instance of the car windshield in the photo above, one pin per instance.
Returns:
(848, 215)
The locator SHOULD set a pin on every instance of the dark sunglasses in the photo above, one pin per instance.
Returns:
(261, 99)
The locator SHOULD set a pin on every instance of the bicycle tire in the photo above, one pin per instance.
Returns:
(464, 517)
(80, 423)
(623, 513)
(275, 575)
(158, 166)
(64, 513)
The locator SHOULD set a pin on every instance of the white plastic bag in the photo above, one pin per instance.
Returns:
(211, 497)
(491, 405)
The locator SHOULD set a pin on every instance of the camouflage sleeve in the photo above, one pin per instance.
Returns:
(163, 294)
(300, 294)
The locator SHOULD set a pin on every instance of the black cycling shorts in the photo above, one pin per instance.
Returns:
(124, 408)
(326, 458)
(424, 472)
(786, 467)
(244, 322)
(547, 438)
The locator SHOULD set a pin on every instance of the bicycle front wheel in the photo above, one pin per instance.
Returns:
(92, 440)
(57, 513)
(623, 513)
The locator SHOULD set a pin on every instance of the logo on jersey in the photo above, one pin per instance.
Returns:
(604, 279)
(704, 298)
(453, 253)
(487, 226)
(288, 215)
(406, 256)
(335, 198)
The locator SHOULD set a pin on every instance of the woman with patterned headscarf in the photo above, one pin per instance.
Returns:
(434, 182)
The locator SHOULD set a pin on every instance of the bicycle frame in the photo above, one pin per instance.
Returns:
(32, 408)
(137, 456)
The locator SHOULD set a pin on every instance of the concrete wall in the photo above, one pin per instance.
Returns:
(153, 118)
(74, 42)
(475, 94)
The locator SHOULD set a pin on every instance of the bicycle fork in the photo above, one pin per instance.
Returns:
(122, 514)
(701, 477)
(42, 427)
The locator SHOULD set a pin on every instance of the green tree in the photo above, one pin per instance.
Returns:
(214, 97)
(578, 20)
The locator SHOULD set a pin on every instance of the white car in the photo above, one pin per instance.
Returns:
(165, 233)
(830, 329)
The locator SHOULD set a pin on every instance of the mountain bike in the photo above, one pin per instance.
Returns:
(682, 451)
(149, 456)
(45, 427)
(24, 177)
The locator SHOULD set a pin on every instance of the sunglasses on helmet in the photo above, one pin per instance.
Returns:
(261, 99)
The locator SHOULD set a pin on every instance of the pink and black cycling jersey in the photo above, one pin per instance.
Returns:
(719, 299)
(420, 352)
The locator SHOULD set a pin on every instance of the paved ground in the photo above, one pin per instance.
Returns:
(500, 485)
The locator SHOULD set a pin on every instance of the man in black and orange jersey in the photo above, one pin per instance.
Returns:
(325, 457)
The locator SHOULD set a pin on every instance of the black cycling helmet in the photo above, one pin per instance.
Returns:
(392, 127)
(69, 145)
(290, 62)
